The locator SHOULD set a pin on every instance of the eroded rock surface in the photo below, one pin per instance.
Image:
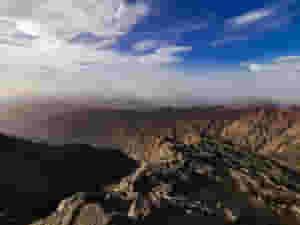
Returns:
(208, 182)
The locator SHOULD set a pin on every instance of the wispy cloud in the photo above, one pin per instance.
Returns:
(253, 23)
(183, 27)
(165, 55)
(282, 64)
(290, 58)
(170, 33)
(64, 20)
(250, 17)
(145, 45)
(227, 40)
(65, 47)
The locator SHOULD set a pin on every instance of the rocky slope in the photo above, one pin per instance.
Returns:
(36, 176)
(268, 131)
(211, 180)
(220, 165)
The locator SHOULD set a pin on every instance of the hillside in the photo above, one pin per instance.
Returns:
(209, 181)
(36, 176)
(179, 165)
(253, 151)
(263, 129)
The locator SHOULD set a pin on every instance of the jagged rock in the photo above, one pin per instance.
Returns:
(140, 207)
(159, 151)
(76, 211)
(238, 181)
(132, 213)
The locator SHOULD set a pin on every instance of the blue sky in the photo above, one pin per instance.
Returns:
(219, 35)
(169, 50)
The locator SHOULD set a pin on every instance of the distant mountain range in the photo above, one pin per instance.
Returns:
(262, 125)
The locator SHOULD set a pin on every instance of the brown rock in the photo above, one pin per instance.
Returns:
(91, 214)
(191, 138)
(229, 216)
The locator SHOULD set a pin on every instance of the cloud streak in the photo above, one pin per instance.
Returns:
(282, 64)
(250, 17)
(145, 45)
(254, 23)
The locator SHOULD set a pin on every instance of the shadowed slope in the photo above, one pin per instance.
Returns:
(35, 176)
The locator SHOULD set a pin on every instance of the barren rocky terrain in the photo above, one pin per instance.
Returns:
(219, 165)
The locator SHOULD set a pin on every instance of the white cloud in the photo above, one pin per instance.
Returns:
(28, 27)
(254, 67)
(107, 43)
(65, 19)
(44, 62)
(290, 58)
(145, 45)
(166, 54)
(250, 17)
(282, 64)
(251, 24)
(37, 57)
(172, 50)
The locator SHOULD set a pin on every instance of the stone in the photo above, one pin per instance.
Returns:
(203, 169)
(91, 214)
(295, 209)
(132, 210)
(229, 216)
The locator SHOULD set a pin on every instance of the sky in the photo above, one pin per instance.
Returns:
(168, 51)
